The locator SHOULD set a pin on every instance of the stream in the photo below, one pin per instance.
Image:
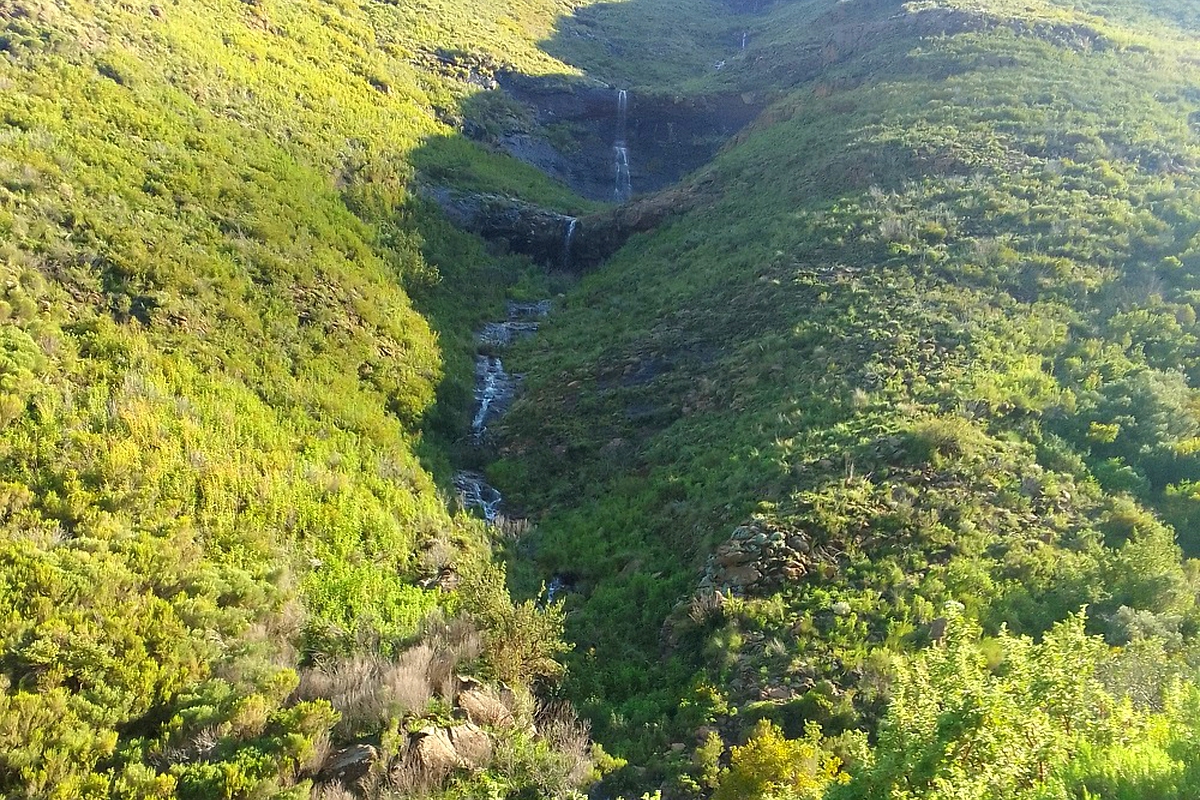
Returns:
(494, 393)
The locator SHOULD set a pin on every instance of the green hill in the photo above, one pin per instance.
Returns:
(933, 341)
(874, 471)
(215, 386)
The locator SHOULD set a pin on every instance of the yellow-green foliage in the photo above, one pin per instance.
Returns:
(212, 379)
(772, 766)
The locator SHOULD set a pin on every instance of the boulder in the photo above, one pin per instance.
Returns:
(434, 751)
(439, 751)
(472, 745)
(350, 765)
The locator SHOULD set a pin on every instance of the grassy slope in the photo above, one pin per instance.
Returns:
(212, 379)
(942, 319)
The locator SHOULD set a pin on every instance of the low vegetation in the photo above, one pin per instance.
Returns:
(874, 474)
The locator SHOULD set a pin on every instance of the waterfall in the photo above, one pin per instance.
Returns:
(494, 392)
(622, 113)
(623, 188)
(476, 493)
(567, 239)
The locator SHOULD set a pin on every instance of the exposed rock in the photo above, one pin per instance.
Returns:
(439, 751)
(775, 693)
(472, 744)
(350, 765)
(434, 751)
(548, 236)
(667, 136)
(525, 228)
(743, 575)
(756, 560)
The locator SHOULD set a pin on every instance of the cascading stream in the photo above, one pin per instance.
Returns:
(568, 238)
(477, 493)
(623, 189)
(494, 392)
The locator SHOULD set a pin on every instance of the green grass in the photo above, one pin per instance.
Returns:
(931, 272)
(940, 318)
(215, 388)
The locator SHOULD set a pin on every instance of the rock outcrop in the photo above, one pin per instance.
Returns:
(549, 237)
(756, 560)
(525, 228)
(667, 136)
(439, 751)
(349, 765)
(482, 705)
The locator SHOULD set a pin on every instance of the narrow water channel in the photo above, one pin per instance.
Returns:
(495, 389)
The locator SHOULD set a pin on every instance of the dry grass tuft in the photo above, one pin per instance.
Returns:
(368, 691)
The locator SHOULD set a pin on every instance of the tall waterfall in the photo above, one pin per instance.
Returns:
(623, 188)
(568, 237)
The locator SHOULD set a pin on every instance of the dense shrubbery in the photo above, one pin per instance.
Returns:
(214, 385)
(938, 326)
(941, 324)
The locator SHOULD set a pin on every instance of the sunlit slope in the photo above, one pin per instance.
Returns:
(212, 379)
(940, 326)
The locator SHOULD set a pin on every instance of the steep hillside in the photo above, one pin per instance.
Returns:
(932, 341)
(219, 550)
(868, 467)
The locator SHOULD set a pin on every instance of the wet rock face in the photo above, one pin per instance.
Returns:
(664, 138)
(556, 240)
(536, 232)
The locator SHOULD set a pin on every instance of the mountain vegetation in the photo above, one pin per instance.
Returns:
(871, 472)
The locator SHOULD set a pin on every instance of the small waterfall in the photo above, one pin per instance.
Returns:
(476, 493)
(559, 586)
(494, 391)
(568, 237)
(623, 188)
(622, 114)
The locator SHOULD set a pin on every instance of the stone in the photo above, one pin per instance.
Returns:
(439, 751)
(434, 751)
(798, 543)
(351, 764)
(775, 693)
(472, 745)
(732, 558)
(745, 575)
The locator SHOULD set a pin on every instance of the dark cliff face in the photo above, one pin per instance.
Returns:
(577, 127)
(556, 240)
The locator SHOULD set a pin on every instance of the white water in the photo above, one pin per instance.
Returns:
(476, 493)
(557, 587)
(572, 223)
(623, 188)
(494, 391)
